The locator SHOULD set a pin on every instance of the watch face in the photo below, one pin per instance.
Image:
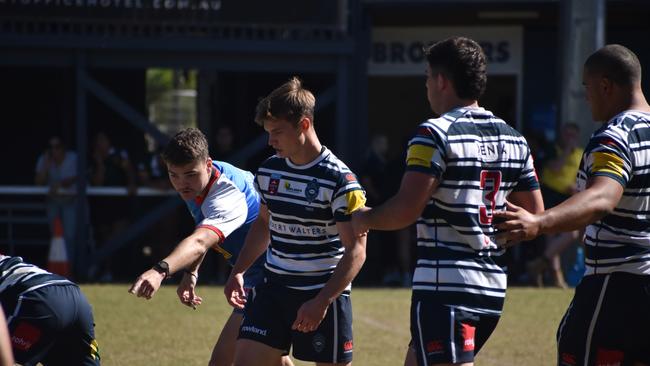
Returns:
(162, 267)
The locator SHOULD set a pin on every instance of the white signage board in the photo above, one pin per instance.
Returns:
(398, 50)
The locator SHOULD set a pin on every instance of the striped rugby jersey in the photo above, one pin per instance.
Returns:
(304, 203)
(478, 160)
(620, 241)
(18, 277)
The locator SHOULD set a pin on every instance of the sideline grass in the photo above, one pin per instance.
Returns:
(132, 331)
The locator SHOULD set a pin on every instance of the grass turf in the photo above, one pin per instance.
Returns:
(162, 331)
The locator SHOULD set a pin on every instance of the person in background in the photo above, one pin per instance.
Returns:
(57, 168)
(558, 179)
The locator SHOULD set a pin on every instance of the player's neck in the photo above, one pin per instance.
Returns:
(456, 103)
(308, 152)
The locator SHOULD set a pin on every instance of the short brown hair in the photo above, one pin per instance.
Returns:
(290, 101)
(186, 147)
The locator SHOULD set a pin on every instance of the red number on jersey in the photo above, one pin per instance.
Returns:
(490, 182)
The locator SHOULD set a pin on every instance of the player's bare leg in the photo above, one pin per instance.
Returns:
(248, 352)
(223, 353)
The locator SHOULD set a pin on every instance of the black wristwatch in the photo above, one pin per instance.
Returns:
(162, 267)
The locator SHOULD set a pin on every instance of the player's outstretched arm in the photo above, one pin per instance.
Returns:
(256, 243)
(583, 208)
(402, 209)
(312, 312)
(188, 251)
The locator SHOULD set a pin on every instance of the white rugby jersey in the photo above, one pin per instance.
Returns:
(305, 202)
(478, 160)
(620, 241)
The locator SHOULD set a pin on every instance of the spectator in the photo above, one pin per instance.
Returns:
(110, 167)
(558, 180)
(57, 168)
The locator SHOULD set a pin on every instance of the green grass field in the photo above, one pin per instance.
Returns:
(132, 331)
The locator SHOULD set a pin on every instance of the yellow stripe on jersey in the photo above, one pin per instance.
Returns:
(355, 200)
(606, 162)
(420, 155)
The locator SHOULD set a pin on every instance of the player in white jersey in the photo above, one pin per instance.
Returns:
(223, 203)
(608, 320)
(460, 167)
(307, 196)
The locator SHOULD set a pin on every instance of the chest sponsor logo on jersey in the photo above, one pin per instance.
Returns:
(311, 191)
(274, 183)
(291, 189)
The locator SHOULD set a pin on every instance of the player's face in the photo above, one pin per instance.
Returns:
(191, 179)
(595, 95)
(284, 137)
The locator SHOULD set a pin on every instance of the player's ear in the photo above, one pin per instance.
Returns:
(304, 124)
(208, 164)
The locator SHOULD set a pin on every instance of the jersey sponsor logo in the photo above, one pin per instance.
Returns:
(274, 183)
(311, 191)
(609, 357)
(490, 152)
(289, 188)
(318, 342)
(25, 336)
(467, 332)
(254, 330)
(348, 346)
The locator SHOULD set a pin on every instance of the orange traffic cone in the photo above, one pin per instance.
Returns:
(58, 258)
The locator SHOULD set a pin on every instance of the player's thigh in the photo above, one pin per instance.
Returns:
(446, 335)
(224, 350)
(268, 319)
(332, 342)
(249, 352)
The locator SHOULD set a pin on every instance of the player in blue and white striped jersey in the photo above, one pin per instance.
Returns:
(49, 319)
(608, 319)
(307, 196)
(460, 168)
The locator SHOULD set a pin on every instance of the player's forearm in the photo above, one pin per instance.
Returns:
(346, 270)
(188, 252)
(394, 214)
(575, 213)
(194, 267)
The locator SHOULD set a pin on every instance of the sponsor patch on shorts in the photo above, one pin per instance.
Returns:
(25, 336)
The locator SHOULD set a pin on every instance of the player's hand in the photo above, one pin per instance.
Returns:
(310, 315)
(515, 225)
(147, 284)
(359, 225)
(234, 290)
(185, 291)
